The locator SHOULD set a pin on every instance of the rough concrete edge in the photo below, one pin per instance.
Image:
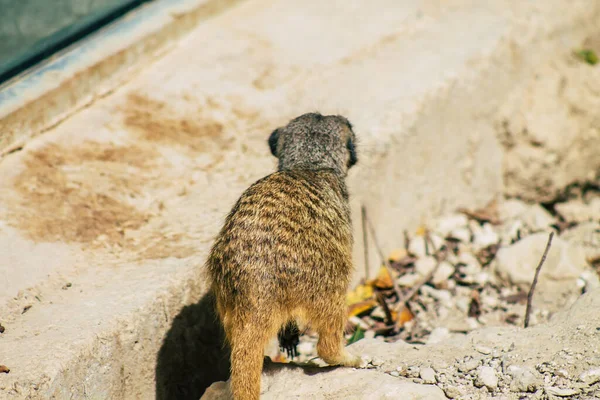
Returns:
(44, 96)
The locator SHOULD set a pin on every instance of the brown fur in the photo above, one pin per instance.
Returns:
(284, 252)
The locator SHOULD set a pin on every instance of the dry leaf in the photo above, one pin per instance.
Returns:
(362, 307)
(360, 293)
(475, 306)
(280, 358)
(383, 280)
(405, 316)
(4, 369)
(487, 214)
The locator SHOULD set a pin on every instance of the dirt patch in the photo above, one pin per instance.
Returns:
(77, 194)
(155, 121)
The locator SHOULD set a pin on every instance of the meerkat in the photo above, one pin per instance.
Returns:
(284, 253)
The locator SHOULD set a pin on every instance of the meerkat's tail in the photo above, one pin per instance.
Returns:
(289, 337)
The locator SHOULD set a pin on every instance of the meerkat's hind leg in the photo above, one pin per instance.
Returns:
(330, 346)
(248, 336)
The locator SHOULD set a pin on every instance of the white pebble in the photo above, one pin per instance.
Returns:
(408, 280)
(443, 273)
(424, 265)
(417, 246)
(486, 376)
(428, 375)
(469, 365)
(485, 237)
(448, 223)
(463, 234)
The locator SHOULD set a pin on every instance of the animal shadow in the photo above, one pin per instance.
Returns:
(194, 353)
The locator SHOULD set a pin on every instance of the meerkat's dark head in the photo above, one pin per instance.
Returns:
(315, 141)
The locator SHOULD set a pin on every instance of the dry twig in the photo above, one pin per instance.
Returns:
(365, 240)
(389, 320)
(384, 259)
(535, 279)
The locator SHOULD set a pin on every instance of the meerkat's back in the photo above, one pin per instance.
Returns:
(284, 252)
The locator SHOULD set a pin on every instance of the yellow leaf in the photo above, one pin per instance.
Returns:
(405, 316)
(360, 293)
(362, 307)
(383, 280)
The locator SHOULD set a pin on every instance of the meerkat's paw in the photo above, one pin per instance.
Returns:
(351, 360)
(365, 362)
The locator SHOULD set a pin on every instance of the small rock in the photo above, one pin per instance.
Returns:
(424, 265)
(462, 234)
(483, 350)
(485, 237)
(590, 377)
(443, 273)
(511, 209)
(560, 392)
(417, 246)
(452, 392)
(486, 376)
(524, 379)
(469, 365)
(412, 372)
(408, 280)
(585, 235)
(471, 264)
(510, 232)
(428, 375)
(438, 335)
(517, 263)
(578, 211)
(395, 373)
(536, 218)
(449, 223)
(443, 296)
(590, 280)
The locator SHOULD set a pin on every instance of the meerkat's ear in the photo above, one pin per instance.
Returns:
(273, 141)
(353, 159)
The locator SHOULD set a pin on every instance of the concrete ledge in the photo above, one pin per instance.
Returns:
(72, 79)
(123, 198)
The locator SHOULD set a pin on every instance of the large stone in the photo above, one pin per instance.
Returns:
(578, 211)
(587, 236)
(558, 281)
(517, 263)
